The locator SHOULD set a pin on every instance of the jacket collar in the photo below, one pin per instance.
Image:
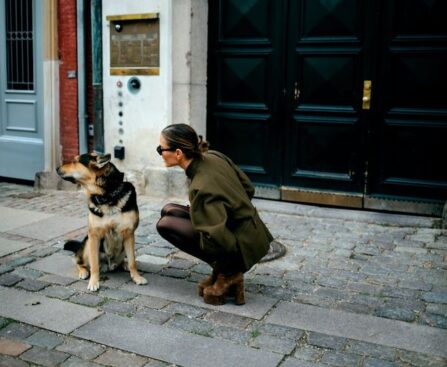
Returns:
(193, 167)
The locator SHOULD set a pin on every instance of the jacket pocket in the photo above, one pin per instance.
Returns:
(253, 239)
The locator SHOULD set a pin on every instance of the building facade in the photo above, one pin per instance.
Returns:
(327, 102)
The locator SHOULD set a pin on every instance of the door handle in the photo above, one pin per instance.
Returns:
(366, 100)
(296, 92)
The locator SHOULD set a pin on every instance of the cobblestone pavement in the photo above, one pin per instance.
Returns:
(355, 288)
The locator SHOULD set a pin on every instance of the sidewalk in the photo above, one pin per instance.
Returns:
(355, 288)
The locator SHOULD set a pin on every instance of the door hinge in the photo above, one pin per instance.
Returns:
(366, 100)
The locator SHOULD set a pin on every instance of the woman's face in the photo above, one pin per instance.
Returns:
(170, 158)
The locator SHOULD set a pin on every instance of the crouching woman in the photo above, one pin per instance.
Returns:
(221, 226)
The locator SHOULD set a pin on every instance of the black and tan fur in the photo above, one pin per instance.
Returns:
(112, 220)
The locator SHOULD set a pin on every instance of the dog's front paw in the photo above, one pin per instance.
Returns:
(93, 286)
(138, 279)
(83, 274)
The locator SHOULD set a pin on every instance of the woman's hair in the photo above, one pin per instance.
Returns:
(185, 138)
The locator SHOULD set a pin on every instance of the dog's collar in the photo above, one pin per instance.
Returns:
(111, 210)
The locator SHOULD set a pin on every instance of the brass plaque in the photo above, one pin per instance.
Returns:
(134, 46)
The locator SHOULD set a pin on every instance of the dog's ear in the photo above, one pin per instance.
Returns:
(102, 160)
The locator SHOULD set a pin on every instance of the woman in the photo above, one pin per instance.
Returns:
(221, 226)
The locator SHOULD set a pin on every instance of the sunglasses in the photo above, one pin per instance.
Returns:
(160, 150)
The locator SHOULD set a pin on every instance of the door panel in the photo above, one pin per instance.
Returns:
(320, 156)
(247, 134)
(417, 76)
(327, 80)
(246, 43)
(328, 20)
(412, 123)
(327, 61)
(243, 83)
(21, 125)
(286, 89)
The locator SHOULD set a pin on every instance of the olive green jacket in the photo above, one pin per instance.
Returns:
(221, 211)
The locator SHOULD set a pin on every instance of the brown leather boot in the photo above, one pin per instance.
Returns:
(225, 285)
(207, 281)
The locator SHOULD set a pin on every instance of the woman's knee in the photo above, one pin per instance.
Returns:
(165, 209)
(175, 210)
(163, 226)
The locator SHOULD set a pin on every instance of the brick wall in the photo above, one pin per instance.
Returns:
(68, 87)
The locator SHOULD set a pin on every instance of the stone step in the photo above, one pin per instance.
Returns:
(43, 312)
(171, 345)
(372, 329)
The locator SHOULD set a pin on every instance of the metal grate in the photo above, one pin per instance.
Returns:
(19, 44)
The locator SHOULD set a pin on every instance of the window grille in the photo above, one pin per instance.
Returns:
(19, 44)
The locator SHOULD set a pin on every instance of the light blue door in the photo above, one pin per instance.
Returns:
(21, 85)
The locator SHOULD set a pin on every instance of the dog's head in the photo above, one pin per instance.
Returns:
(86, 168)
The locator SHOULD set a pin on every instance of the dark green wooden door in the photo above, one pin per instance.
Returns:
(286, 89)
(409, 130)
(329, 57)
(245, 79)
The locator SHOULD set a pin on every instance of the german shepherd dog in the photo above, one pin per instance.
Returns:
(112, 220)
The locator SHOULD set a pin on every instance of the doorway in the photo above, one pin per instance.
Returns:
(336, 102)
(21, 85)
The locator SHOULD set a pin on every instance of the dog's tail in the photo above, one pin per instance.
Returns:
(74, 246)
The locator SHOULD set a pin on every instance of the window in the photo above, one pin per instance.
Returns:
(19, 44)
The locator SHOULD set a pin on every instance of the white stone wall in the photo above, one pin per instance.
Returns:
(178, 94)
(144, 113)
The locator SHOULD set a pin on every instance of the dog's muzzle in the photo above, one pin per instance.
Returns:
(67, 178)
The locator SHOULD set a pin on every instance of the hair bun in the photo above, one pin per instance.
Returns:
(203, 145)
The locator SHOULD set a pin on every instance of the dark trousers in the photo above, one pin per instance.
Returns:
(176, 227)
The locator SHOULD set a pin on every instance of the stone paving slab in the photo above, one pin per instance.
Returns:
(376, 330)
(8, 247)
(159, 286)
(49, 228)
(152, 259)
(172, 346)
(63, 265)
(11, 218)
(12, 347)
(186, 292)
(52, 314)
(59, 264)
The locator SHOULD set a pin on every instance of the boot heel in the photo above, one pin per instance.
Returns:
(225, 285)
(232, 291)
(207, 282)
(239, 294)
(214, 300)
(200, 290)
